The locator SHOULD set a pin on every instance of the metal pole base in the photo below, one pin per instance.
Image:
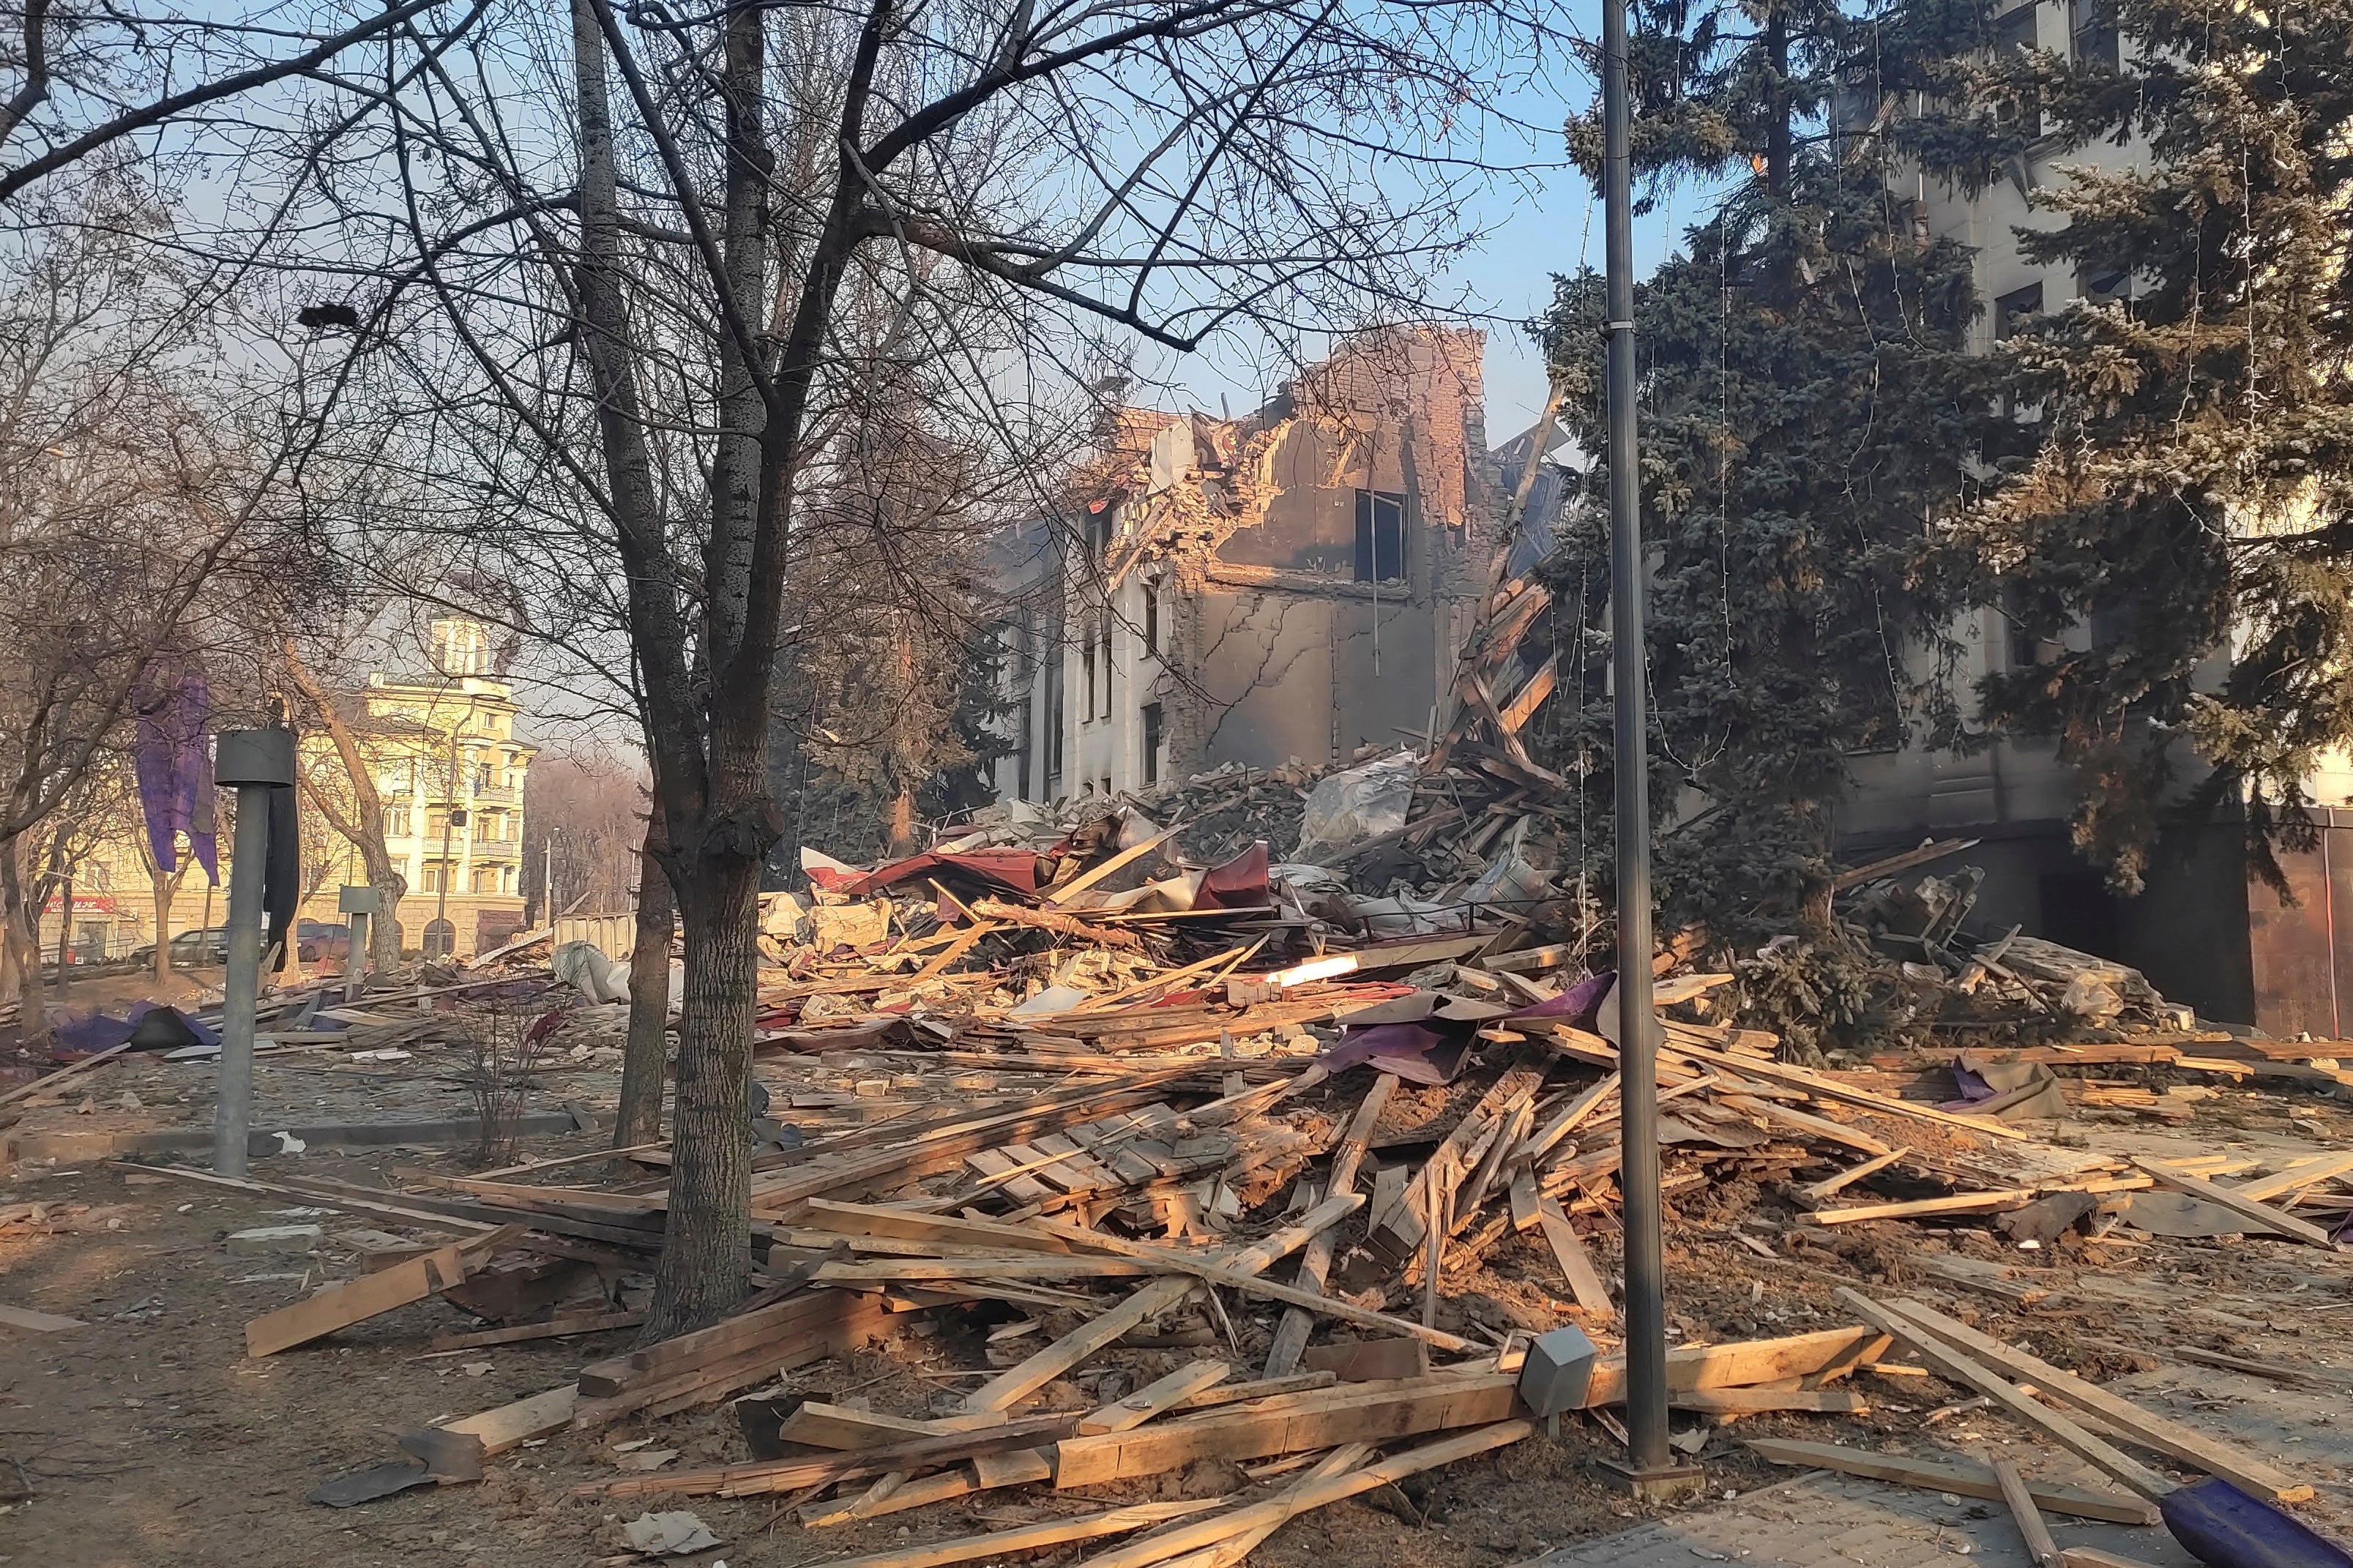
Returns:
(1660, 1485)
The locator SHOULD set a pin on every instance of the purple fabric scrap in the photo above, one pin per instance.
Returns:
(1414, 1052)
(173, 761)
(1577, 1005)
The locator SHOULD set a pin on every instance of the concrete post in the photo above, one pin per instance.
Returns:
(255, 762)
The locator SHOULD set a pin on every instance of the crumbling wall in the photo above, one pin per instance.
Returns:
(1274, 647)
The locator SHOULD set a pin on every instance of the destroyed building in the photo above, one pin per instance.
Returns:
(2219, 937)
(1292, 584)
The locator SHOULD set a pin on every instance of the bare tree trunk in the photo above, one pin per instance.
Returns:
(644, 1055)
(20, 925)
(164, 888)
(65, 937)
(707, 1250)
(362, 825)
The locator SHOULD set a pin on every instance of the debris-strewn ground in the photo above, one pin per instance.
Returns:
(1043, 1112)
(147, 1437)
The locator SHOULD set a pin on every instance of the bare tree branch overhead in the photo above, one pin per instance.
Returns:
(89, 76)
(701, 347)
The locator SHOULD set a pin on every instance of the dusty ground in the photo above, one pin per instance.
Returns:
(147, 1438)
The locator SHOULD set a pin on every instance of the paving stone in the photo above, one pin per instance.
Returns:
(1837, 1521)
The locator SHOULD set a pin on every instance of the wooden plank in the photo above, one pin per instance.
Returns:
(2278, 1220)
(1742, 1364)
(2272, 1369)
(2039, 1544)
(1919, 1208)
(69, 1071)
(24, 1319)
(1855, 876)
(1234, 1548)
(1371, 1361)
(724, 1337)
(1370, 1413)
(1523, 1198)
(553, 1329)
(2288, 1178)
(1952, 1474)
(1312, 1495)
(1576, 1266)
(1752, 1401)
(986, 1471)
(1003, 1170)
(1154, 1398)
(763, 1477)
(434, 1218)
(1018, 1382)
(1029, 1537)
(457, 1448)
(2093, 1557)
(1514, 714)
(820, 1425)
(1088, 878)
(1215, 1271)
(1030, 1266)
(2242, 1469)
(356, 1301)
(872, 1220)
(1261, 1388)
(1831, 1089)
(1955, 1367)
(1852, 1174)
(1572, 1115)
(1315, 1262)
(835, 1321)
(1820, 1127)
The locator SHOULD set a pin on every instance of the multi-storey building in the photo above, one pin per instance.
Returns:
(2205, 929)
(442, 747)
(1292, 584)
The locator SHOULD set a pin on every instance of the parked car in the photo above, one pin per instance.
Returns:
(208, 946)
(315, 940)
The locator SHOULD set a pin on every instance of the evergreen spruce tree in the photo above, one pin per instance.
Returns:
(2185, 521)
(1809, 413)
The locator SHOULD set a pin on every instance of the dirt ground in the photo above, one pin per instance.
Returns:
(147, 1438)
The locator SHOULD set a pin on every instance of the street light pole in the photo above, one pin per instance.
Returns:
(1648, 1471)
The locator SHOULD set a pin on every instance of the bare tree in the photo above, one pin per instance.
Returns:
(347, 797)
(128, 490)
(584, 813)
(639, 316)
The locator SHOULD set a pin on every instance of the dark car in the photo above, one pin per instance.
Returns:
(208, 946)
(315, 940)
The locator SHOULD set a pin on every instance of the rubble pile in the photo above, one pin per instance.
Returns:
(1151, 1148)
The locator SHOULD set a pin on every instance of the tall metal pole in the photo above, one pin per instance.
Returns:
(1649, 1467)
(257, 762)
(450, 817)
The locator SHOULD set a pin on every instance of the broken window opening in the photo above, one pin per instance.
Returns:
(1105, 659)
(2092, 26)
(2110, 287)
(2015, 34)
(2014, 309)
(1152, 722)
(1151, 616)
(1087, 664)
(1380, 536)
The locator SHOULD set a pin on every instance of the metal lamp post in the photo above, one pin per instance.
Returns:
(1649, 1470)
(255, 762)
